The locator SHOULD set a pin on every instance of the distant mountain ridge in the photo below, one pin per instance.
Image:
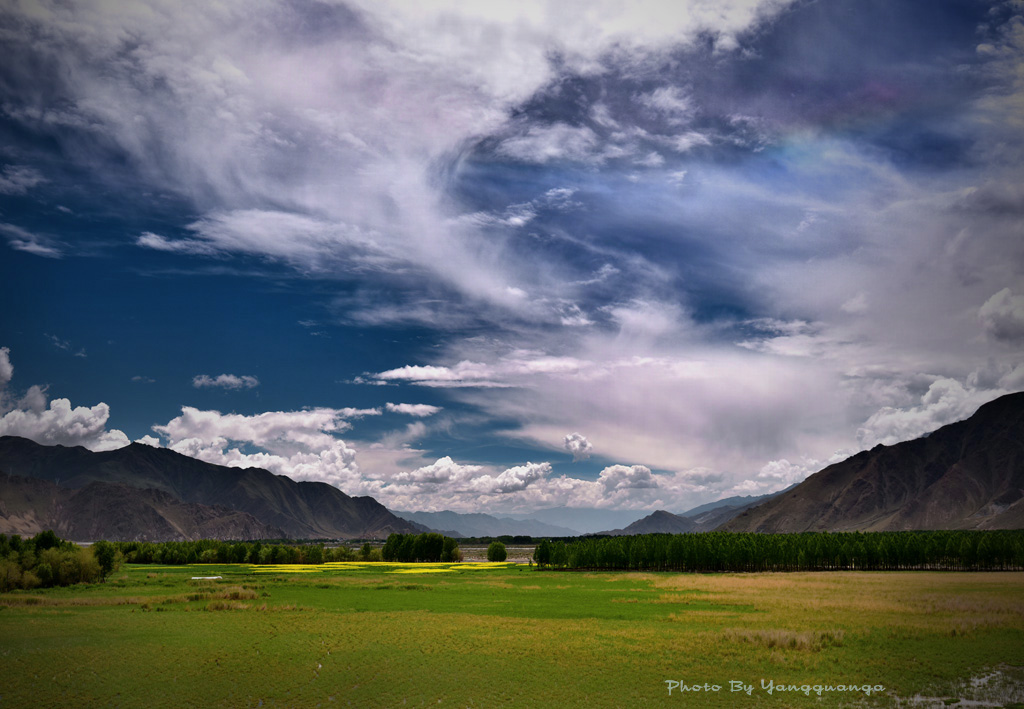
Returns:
(301, 510)
(966, 475)
(703, 518)
(658, 522)
(484, 525)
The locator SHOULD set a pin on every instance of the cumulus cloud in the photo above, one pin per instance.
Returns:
(59, 423)
(1002, 315)
(225, 381)
(946, 401)
(299, 444)
(620, 477)
(65, 425)
(578, 445)
(418, 410)
(780, 474)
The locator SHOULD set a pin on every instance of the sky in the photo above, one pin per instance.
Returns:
(508, 256)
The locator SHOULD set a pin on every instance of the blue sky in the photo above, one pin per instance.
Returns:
(507, 256)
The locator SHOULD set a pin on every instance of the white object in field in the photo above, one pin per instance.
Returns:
(205, 578)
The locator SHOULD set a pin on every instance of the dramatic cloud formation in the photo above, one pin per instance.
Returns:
(728, 240)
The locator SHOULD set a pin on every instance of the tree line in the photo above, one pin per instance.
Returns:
(213, 551)
(1000, 550)
(428, 546)
(47, 560)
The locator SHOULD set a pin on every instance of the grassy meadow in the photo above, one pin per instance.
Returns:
(484, 635)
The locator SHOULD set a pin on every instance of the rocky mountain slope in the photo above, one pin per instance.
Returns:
(967, 475)
(117, 513)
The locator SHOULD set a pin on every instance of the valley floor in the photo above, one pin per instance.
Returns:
(481, 635)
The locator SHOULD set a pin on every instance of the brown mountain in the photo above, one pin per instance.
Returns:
(967, 475)
(301, 510)
(117, 513)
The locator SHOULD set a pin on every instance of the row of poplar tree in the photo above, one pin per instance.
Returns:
(730, 551)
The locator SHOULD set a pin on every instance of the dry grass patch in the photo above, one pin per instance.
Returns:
(809, 640)
(20, 601)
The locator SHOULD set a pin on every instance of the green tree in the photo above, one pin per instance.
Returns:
(106, 556)
(542, 554)
(496, 551)
(451, 551)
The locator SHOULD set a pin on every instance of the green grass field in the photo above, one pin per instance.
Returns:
(493, 635)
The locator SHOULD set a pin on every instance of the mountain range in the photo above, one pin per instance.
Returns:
(150, 485)
(703, 518)
(966, 475)
(483, 525)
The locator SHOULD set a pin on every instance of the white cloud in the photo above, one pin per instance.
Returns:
(19, 179)
(616, 478)
(150, 240)
(22, 240)
(225, 381)
(419, 410)
(670, 102)
(60, 423)
(65, 425)
(391, 95)
(1003, 316)
(685, 142)
(578, 445)
(559, 141)
(299, 444)
(856, 305)
(443, 470)
(780, 474)
(513, 479)
(946, 401)
(6, 368)
(479, 374)
(149, 441)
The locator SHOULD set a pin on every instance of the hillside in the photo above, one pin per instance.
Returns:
(117, 513)
(301, 510)
(966, 475)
